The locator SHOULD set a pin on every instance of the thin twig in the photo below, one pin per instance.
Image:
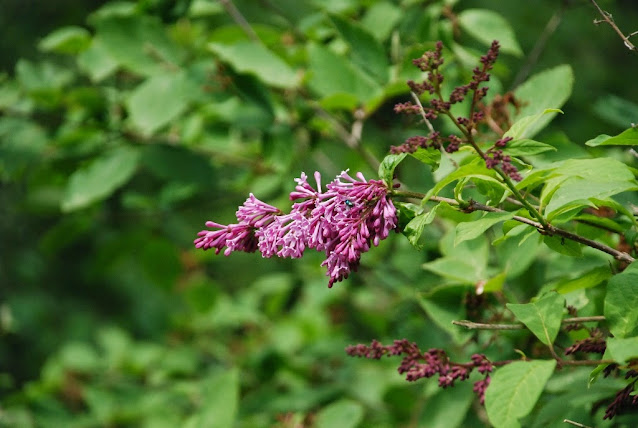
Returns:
(234, 13)
(610, 20)
(471, 325)
(576, 424)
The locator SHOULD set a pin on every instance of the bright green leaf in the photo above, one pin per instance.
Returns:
(159, 100)
(69, 40)
(621, 303)
(414, 229)
(380, 18)
(472, 229)
(629, 137)
(343, 413)
(486, 26)
(526, 147)
(521, 128)
(332, 74)
(514, 390)
(622, 349)
(96, 61)
(220, 401)
(387, 167)
(476, 168)
(256, 59)
(542, 317)
(429, 156)
(587, 280)
(545, 90)
(100, 178)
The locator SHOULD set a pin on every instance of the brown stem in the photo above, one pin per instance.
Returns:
(609, 20)
(544, 229)
(239, 19)
(470, 325)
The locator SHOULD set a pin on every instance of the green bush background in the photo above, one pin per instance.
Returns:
(112, 158)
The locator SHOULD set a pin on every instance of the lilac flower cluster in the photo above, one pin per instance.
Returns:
(343, 222)
(417, 364)
(430, 63)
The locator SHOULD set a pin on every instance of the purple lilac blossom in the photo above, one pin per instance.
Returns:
(344, 221)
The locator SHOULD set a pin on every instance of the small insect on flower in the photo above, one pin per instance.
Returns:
(349, 203)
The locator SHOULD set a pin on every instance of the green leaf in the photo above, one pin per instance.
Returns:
(621, 349)
(472, 229)
(545, 90)
(526, 147)
(542, 317)
(577, 182)
(414, 229)
(66, 40)
(621, 303)
(332, 74)
(563, 246)
(366, 51)
(526, 125)
(429, 156)
(380, 18)
(486, 26)
(387, 167)
(220, 401)
(96, 61)
(448, 407)
(587, 280)
(160, 100)
(100, 179)
(514, 390)
(628, 137)
(476, 168)
(138, 43)
(254, 58)
(616, 110)
(343, 413)
(445, 304)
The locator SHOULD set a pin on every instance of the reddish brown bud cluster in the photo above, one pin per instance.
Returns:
(592, 345)
(430, 63)
(417, 364)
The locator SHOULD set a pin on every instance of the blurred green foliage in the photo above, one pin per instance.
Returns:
(126, 132)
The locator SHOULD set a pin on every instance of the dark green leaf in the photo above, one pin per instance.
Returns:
(616, 110)
(100, 178)
(443, 305)
(387, 167)
(621, 303)
(543, 317)
(514, 390)
(366, 51)
(138, 43)
(628, 137)
(486, 26)
(563, 246)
